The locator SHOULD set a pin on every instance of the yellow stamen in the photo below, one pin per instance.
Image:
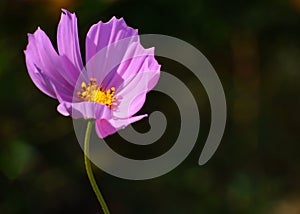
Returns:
(92, 92)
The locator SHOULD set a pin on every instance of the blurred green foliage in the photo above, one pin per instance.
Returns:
(255, 49)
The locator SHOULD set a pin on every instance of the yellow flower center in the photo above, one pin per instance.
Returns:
(92, 92)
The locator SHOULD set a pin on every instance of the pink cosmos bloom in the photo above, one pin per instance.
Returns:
(111, 88)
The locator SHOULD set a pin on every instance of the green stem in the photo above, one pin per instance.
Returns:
(89, 168)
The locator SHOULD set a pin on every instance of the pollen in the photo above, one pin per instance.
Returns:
(92, 92)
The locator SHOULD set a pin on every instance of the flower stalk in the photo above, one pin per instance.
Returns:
(88, 168)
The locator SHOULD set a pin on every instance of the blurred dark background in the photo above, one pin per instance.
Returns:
(254, 47)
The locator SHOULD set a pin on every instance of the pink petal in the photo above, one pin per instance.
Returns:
(68, 44)
(45, 67)
(105, 127)
(36, 76)
(102, 35)
(63, 109)
(131, 97)
(119, 63)
(134, 60)
(87, 110)
(115, 55)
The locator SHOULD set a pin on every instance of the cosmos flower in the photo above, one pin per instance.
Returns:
(112, 86)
